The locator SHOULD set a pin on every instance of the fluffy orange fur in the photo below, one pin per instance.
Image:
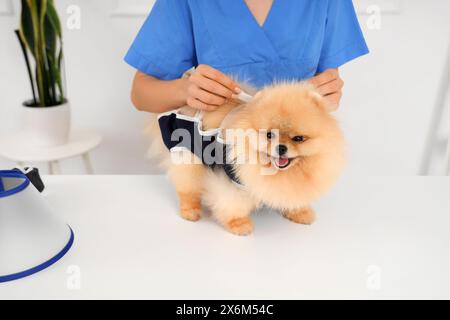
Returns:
(290, 109)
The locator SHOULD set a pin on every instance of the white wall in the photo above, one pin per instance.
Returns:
(386, 110)
(391, 93)
(98, 85)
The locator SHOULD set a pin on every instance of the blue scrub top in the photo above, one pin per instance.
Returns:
(299, 39)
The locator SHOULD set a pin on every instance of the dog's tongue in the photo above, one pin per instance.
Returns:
(281, 162)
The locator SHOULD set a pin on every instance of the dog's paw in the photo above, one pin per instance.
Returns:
(190, 206)
(240, 226)
(191, 214)
(301, 216)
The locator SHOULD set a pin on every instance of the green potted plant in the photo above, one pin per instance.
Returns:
(47, 115)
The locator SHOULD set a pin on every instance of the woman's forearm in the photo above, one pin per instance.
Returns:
(153, 95)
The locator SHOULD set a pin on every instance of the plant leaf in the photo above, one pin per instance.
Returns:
(27, 62)
(38, 52)
(50, 51)
(54, 19)
(26, 26)
(41, 33)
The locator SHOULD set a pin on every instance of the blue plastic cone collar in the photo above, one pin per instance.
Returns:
(6, 193)
(12, 174)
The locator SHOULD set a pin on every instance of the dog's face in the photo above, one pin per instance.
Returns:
(292, 124)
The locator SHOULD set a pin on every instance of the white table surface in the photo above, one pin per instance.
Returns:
(130, 243)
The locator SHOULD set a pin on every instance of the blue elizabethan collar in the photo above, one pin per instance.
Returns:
(34, 177)
(12, 174)
(43, 266)
(48, 238)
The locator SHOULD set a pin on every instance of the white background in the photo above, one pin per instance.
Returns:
(386, 111)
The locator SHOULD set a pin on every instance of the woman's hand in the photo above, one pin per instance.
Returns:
(330, 85)
(208, 88)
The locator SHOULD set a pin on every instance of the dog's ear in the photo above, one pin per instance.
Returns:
(316, 96)
(319, 100)
(258, 95)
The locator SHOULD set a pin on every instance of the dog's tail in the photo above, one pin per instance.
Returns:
(157, 150)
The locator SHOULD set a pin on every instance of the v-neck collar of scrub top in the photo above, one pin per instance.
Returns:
(255, 33)
(268, 15)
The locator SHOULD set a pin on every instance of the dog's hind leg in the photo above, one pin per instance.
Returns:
(188, 181)
(302, 216)
(230, 206)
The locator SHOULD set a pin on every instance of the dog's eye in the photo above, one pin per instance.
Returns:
(270, 135)
(298, 139)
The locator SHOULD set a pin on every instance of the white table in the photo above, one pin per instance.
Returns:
(375, 238)
(80, 143)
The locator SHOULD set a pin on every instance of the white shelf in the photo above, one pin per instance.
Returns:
(18, 148)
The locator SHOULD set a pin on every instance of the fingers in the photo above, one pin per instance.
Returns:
(197, 104)
(219, 77)
(211, 86)
(206, 96)
(325, 77)
(333, 101)
(331, 87)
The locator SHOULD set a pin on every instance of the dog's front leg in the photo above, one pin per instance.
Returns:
(188, 180)
(234, 214)
(230, 206)
(241, 226)
(302, 216)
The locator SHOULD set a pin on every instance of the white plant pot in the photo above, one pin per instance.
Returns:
(32, 237)
(47, 126)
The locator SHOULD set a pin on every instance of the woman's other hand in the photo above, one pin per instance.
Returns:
(330, 85)
(208, 88)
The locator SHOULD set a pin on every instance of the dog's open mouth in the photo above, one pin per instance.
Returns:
(282, 162)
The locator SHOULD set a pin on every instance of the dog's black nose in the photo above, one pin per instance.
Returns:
(282, 149)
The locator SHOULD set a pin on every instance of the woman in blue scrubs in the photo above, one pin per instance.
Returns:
(258, 41)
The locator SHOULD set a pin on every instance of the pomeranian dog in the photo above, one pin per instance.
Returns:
(291, 151)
